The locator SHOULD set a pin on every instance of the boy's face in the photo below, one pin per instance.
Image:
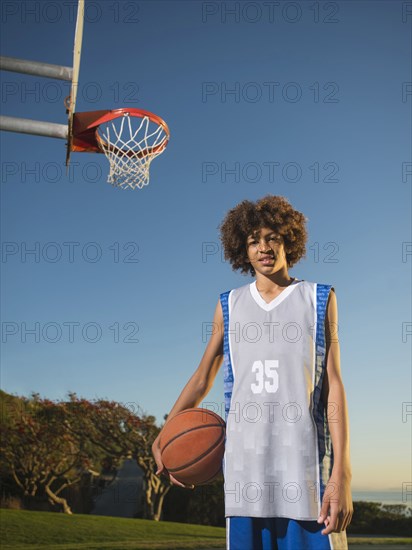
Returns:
(265, 251)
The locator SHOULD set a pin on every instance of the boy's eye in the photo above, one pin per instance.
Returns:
(277, 239)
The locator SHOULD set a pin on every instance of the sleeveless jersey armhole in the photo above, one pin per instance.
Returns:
(325, 448)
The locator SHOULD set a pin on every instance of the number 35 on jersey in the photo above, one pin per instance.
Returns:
(266, 376)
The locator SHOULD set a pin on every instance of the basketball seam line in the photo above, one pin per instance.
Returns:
(190, 430)
(197, 458)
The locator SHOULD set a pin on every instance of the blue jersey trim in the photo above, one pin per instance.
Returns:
(227, 365)
(319, 413)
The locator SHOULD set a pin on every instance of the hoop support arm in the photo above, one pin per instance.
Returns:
(35, 127)
(36, 68)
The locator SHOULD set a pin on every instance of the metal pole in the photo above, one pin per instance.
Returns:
(36, 127)
(36, 68)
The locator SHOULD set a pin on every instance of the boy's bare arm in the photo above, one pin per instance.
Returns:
(202, 379)
(333, 391)
(338, 493)
(200, 382)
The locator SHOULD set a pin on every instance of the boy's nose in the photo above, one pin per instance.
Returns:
(263, 247)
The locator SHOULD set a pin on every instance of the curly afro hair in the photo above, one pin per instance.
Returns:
(270, 211)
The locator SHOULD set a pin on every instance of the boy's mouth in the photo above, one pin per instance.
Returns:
(266, 259)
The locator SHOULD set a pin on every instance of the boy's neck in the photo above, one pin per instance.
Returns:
(272, 283)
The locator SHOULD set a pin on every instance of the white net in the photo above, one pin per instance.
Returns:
(130, 144)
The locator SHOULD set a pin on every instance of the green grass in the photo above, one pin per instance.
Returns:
(379, 541)
(25, 529)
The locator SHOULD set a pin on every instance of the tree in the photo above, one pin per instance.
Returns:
(119, 432)
(40, 454)
(377, 518)
(156, 487)
(49, 445)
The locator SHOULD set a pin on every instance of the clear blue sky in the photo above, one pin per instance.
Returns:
(319, 114)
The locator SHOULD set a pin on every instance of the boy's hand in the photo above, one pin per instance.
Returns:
(161, 469)
(338, 498)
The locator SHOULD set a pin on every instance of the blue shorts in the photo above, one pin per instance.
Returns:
(246, 533)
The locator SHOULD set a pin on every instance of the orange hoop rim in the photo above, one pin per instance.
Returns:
(139, 113)
(86, 136)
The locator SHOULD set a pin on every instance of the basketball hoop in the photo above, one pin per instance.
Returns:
(129, 138)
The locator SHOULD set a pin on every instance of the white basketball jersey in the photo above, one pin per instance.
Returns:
(278, 454)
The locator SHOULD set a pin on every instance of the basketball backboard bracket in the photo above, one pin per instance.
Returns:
(47, 70)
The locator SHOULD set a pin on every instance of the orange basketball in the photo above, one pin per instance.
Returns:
(192, 444)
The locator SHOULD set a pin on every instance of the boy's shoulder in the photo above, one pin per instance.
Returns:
(308, 286)
(300, 282)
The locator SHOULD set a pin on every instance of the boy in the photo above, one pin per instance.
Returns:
(286, 465)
